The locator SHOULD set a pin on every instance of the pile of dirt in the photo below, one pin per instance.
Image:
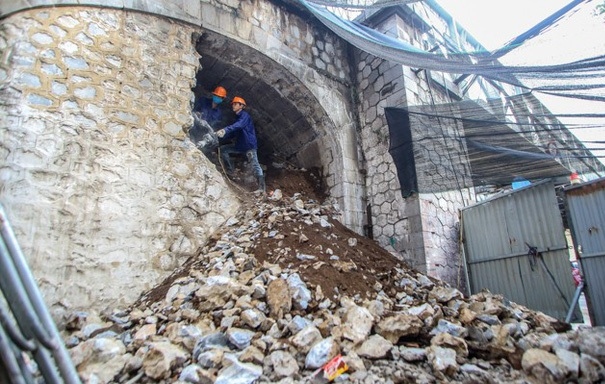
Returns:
(306, 182)
(278, 175)
(333, 257)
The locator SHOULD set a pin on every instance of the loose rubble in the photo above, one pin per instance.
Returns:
(255, 307)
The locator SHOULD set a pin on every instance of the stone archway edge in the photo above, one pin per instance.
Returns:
(184, 10)
(189, 11)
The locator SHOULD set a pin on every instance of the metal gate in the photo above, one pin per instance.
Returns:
(585, 206)
(515, 245)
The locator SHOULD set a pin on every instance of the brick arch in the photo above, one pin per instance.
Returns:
(289, 120)
(315, 80)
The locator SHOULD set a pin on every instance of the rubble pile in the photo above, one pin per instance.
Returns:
(283, 288)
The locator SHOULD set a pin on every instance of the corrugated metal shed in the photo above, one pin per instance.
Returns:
(515, 245)
(585, 205)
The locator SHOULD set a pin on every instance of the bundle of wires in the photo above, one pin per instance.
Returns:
(582, 78)
(489, 142)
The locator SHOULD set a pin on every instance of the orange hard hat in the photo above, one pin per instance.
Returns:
(220, 92)
(238, 99)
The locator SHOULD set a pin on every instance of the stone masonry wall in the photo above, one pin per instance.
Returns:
(319, 60)
(105, 193)
(396, 222)
(422, 229)
(439, 211)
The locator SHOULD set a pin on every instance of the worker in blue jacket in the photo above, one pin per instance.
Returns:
(245, 141)
(207, 116)
(209, 108)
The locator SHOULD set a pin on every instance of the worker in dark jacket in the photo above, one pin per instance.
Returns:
(209, 108)
(245, 140)
(207, 117)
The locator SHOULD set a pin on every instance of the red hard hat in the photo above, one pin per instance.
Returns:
(220, 92)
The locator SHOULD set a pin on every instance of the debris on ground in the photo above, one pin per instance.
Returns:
(284, 293)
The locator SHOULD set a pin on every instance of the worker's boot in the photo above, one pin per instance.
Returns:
(261, 184)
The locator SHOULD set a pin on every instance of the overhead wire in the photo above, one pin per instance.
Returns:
(582, 78)
(361, 4)
(479, 62)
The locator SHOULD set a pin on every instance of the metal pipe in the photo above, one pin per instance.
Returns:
(21, 307)
(47, 366)
(18, 299)
(64, 362)
(12, 331)
(574, 302)
(8, 358)
(26, 368)
(519, 254)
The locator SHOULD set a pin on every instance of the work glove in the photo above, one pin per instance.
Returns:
(220, 133)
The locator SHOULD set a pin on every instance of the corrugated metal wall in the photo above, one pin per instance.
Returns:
(586, 213)
(497, 235)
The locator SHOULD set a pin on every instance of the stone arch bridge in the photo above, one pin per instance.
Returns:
(98, 100)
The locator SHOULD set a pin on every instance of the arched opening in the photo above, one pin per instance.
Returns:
(286, 114)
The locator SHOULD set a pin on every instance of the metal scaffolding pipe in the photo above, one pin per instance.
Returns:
(12, 331)
(19, 303)
(59, 352)
(18, 300)
(574, 301)
(10, 361)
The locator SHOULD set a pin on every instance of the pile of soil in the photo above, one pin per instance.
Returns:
(343, 262)
(335, 258)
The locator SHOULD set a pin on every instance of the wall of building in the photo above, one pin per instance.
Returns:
(103, 191)
(422, 229)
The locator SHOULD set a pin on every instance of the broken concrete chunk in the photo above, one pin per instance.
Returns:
(375, 347)
(321, 353)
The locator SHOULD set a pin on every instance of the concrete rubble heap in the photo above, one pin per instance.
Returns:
(226, 318)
